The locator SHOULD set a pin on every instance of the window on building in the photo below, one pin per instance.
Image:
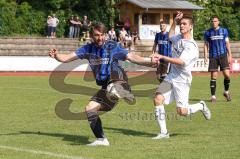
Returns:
(136, 16)
(150, 18)
(166, 18)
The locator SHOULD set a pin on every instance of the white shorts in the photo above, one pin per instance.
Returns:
(175, 91)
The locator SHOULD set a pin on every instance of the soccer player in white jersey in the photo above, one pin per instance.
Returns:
(177, 83)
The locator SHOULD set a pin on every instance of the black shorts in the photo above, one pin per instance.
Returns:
(163, 69)
(221, 61)
(106, 102)
(101, 98)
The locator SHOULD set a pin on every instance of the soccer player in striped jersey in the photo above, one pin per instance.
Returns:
(217, 45)
(164, 48)
(103, 57)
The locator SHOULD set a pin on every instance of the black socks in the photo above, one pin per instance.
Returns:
(213, 86)
(95, 124)
(226, 84)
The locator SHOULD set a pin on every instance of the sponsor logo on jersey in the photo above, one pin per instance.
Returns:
(99, 61)
(217, 37)
(164, 42)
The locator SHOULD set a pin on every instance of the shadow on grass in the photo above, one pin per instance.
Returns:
(75, 139)
(206, 100)
(197, 99)
(178, 134)
(130, 132)
(140, 133)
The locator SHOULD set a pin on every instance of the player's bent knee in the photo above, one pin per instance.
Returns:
(158, 100)
(214, 75)
(88, 108)
(92, 107)
(226, 74)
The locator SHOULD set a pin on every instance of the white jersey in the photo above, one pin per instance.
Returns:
(186, 50)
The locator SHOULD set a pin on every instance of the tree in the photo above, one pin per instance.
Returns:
(23, 17)
(225, 12)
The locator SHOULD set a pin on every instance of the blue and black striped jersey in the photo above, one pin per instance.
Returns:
(164, 45)
(104, 60)
(217, 41)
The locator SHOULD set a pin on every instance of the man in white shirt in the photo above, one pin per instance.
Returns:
(55, 22)
(112, 34)
(122, 36)
(177, 83)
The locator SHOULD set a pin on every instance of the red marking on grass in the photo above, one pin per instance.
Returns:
(78, 73)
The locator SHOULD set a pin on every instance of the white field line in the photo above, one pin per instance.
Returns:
(57, 155)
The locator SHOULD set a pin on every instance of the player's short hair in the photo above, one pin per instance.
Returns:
(215, 16)
(190, 19)
(98, 26)
(162, 22)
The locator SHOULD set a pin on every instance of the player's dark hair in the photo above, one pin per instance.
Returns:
(215, 16)
(98, 26)
(190, 19)
(162, 22)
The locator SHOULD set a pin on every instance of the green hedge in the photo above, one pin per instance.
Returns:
(228, 13)
(28, 17)
(20, 20)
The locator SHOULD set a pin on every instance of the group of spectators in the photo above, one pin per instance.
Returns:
(77, 27)
(121, 32)
(124, 36)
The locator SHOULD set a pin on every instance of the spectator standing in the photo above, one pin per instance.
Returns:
(55, 22)
(49, 26)
(85, 24)
(118, 26)
(77, 27)
(71, 26)
(127, 25)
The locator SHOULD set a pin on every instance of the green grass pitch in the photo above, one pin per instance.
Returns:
(30, 128)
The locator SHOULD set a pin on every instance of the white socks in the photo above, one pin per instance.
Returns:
(161, 115)
(193, 108)
(161, 118)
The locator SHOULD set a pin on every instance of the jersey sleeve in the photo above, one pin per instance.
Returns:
(121, 53)
(189, 54)
(206, 36)
(226, 35)
(83, 52)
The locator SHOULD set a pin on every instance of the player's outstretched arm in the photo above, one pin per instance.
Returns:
(154, 48)
(62, 57)
(146, 61)
(206, 48)
(177, 61)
